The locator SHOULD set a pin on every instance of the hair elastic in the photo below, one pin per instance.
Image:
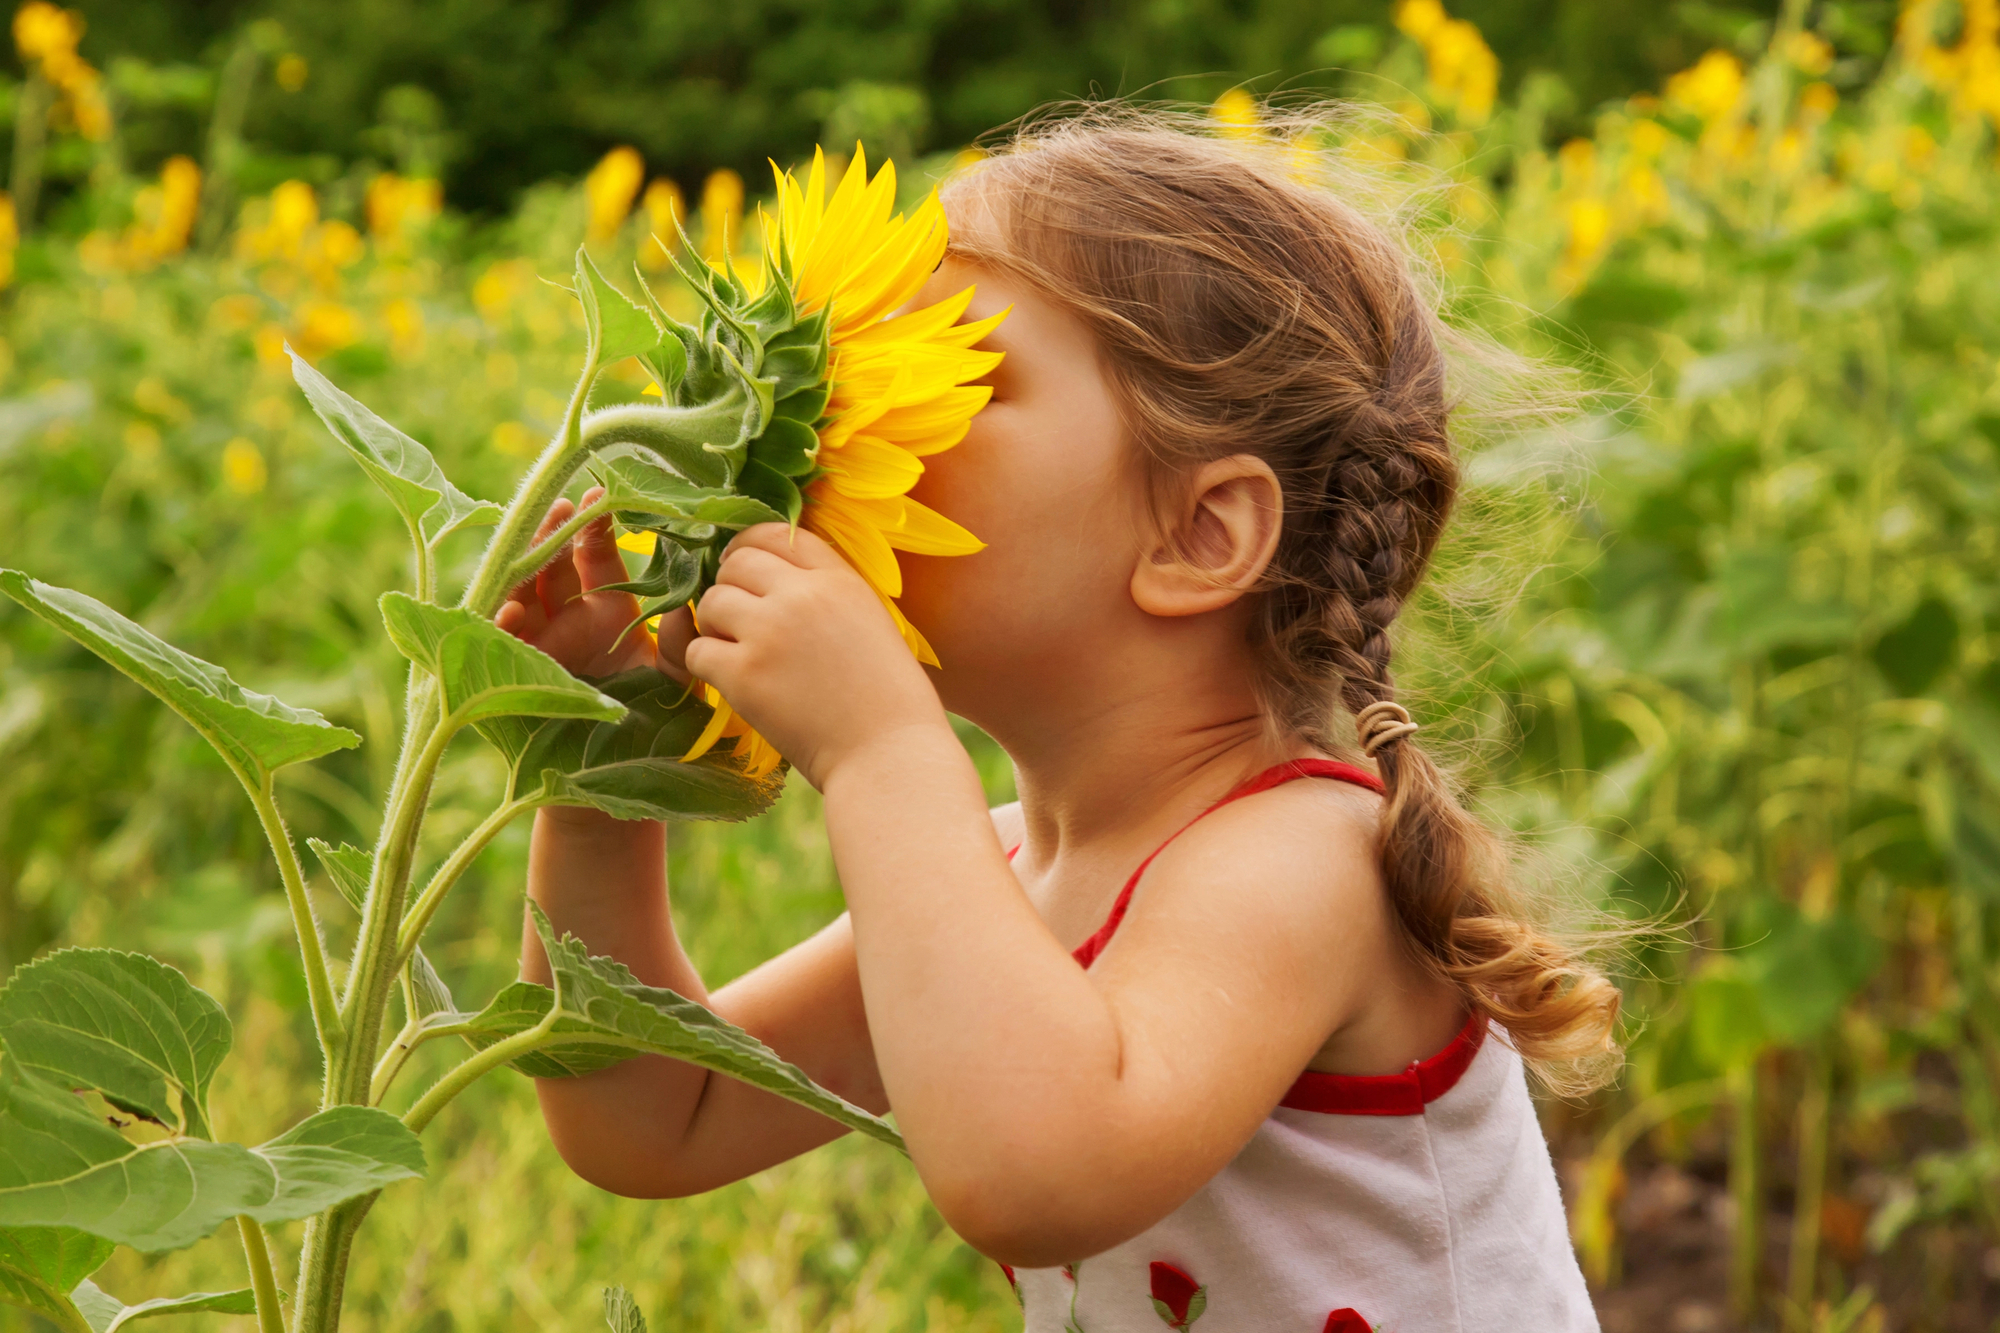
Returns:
(1380, 724)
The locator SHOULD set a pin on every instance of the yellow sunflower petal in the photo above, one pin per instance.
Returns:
(867, 468)
(712, 733)
(852, 526)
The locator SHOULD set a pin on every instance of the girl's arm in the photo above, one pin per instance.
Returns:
(1052, 1112)
(652, 1126)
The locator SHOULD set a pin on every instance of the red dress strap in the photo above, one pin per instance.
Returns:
(1275, 776)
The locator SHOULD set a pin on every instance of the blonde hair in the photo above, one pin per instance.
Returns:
(1240, 306)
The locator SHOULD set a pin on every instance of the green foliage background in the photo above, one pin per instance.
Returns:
(1722, 651)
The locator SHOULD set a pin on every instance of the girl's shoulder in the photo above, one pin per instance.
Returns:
(1009, 824)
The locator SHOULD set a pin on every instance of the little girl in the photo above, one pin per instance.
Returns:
(1224, 1024)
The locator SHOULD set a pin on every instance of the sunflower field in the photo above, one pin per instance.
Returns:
(1723, 648)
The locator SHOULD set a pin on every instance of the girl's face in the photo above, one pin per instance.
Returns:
(1045, 478)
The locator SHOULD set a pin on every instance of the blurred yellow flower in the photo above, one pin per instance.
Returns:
(395, 205)
(269, 343)
(290, 71)
(1420, 18)
(243, 468)
(1817, 102)
(513, 439)
(163, 220)
(405, 319)
(326, 326)
(42, 30)
(494, 294)
(1235, 114)
(609, 190)
(10, 238)
(1711, 88)
(47, 36)
(1809, 52)
(1587, 226)
(1647, 138)
(287, 216)
(721, 215)
(1463, 72)
(1577, 160)
(338, 244)
(665, 212)
(236, 312)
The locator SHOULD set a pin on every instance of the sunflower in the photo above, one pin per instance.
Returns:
(899, 387)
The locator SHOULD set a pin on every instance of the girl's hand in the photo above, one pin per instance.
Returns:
(805, 651)
(561, 612)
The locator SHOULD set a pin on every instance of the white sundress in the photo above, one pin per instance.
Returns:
(1418, 1202)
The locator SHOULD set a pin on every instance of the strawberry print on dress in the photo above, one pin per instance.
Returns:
(1177, 1298)
(1347, 1320)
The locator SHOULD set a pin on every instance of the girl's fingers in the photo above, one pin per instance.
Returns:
(724, 611)
(713, 660)
(795, 546)
(676, 632)
(754, 569)
(595, 551)
(522, 619)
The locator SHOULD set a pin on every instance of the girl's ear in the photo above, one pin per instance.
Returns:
(1228, 532)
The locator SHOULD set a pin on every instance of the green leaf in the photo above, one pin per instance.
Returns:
(622, 1312)
(61, 1165)
(604, 1005)
(1725, 1020)
(671, 578)
(634, 483)
(774, 489)
(788, 447)
(485, 671)
(418, 628)
(618, 328)
(254, 733)
(1805, 970)
(349, 868)
(121, 1024)
(40, 1266)
(404, 469)
(631, 768)
(107, 1314)
(335, 1155)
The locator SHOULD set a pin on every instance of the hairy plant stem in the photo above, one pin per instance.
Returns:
(370, 982)
(549, 547)
(257, 1257)
(387, 938)
(538, 490)
(327, 1025)
(418, 918)
(414, 1034)
(465, 1075)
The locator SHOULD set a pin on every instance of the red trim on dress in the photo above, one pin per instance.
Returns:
(1390, 1094)
(1088, 951)
(1330, 1094)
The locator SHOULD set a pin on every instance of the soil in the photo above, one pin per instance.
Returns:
(1676, 1222)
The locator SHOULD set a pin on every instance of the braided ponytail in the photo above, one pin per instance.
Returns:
(1238, 309)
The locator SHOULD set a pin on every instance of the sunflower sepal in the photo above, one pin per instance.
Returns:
(788, 447)
(773, 488)
(615, 326)
(807, 405)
